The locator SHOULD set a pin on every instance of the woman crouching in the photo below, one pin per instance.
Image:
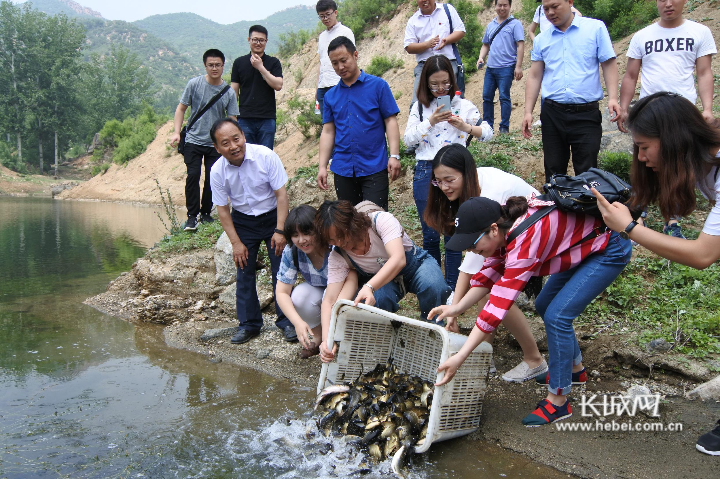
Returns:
(563, 244)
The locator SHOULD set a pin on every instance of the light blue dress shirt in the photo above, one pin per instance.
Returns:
(571, 60)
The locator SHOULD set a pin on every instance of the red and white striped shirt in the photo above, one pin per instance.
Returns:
(548, 246)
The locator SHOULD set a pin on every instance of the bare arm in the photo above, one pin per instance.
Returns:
(461, 288)
(278, 241)
(386, 274)
(283, 293)
(519, 61)
(532, 89)
(700, 253)
(334, 291)
(236, 88)
(420, 47)
(531, 30)
(627, 90)
(610, 74)
(327, 141)
(451, 365)
(483, 54)
(178, 121)
(703, 67)
(392, 130)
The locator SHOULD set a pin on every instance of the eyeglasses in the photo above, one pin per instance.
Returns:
(258, 41)
(440, 183)
(215, 65)
(442, 86)
(326, 16)
(478, 239)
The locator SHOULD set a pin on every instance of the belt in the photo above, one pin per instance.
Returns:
(573, 107)
(262, 215)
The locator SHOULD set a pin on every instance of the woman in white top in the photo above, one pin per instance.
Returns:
(455, 179)
(429, 129)
(675, 152)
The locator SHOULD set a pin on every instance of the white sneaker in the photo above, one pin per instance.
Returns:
(492, 368)
(450, 298)
(523, 372)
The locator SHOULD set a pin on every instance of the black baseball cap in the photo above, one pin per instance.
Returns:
(474, 216)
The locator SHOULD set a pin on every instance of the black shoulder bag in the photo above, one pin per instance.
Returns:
(195, 118)
(461, 69)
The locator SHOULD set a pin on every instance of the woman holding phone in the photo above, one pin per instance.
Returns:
(675, 152)
(439, 117)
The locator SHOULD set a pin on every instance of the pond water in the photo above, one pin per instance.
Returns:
(83, 394)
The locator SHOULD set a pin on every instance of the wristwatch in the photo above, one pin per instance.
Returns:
(625, 234)
(372, 289)
(394, 156)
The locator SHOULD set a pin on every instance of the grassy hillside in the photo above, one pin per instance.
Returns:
(193, 34)
(67, 7)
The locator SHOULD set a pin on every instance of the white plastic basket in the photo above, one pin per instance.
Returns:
(368, 336)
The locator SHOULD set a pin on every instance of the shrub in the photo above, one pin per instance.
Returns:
(292, 42)
(100, 169)
(381, 64)
(617, 163)
(497, 160)
(309, 123)
(359, 15)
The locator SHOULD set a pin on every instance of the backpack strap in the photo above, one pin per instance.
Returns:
(454, 46)
(543, 212)
(502, 25)
(207, 106)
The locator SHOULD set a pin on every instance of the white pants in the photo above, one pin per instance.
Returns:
(307, 300)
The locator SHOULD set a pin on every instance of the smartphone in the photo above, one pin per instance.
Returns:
(444, 102)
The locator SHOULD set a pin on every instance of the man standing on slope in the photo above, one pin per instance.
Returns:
(505, 40)
(428, 33)
(327, 78)
(252, 178)
(359, 111)
(198, 145)
(255, 78)
(565, 61)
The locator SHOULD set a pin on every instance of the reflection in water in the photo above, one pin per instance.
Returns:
(86, 395)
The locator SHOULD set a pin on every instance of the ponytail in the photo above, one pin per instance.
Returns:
(514, 208)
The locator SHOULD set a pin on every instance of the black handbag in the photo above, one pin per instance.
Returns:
(195, 118)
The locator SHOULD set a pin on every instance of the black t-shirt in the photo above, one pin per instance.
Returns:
(257, 98)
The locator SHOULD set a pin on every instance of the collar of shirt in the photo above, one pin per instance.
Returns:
(498, 23)
(438, 6)
(575, 23)
(361, 78)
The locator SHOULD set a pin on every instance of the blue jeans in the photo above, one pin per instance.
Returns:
(498, 79)
(253, 231)
(421, 276)
(431, 238)
(259, 131)
(320, 97)
(565, 296)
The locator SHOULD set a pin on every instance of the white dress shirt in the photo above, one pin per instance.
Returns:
(421, 28)
(250, 188)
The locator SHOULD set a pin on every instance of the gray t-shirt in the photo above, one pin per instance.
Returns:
(196, 95)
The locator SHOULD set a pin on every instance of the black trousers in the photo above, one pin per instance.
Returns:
(356, 189)
(194, 156)
(567, 128)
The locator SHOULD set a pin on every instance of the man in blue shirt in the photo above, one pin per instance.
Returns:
(507, 49)
(357, 114)
(565, 60)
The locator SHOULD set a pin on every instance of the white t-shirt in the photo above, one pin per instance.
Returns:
(421, 28)
(499, 186)
(328, 77)
(668, 57)
(388, 228)
(712, 223)
(541, 19)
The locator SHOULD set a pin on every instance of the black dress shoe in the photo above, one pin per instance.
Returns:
(290, 335)
(243, 336)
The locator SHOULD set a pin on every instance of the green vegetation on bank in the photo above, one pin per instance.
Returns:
(125, 140)
(382, 63)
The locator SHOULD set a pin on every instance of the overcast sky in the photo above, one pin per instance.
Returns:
(221, 11)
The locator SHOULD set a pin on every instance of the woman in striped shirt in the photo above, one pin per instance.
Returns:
(582, 258)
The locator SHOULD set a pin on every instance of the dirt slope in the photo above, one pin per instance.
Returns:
(135, 182)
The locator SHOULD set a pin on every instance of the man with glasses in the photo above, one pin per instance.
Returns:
(255, 78)
(327, 78)
(198, 144)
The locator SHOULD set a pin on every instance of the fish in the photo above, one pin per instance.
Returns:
(333, 389)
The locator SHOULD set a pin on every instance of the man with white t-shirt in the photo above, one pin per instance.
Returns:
(327, 78)
(666, 54)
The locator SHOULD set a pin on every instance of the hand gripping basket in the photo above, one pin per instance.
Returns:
(368, 336)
